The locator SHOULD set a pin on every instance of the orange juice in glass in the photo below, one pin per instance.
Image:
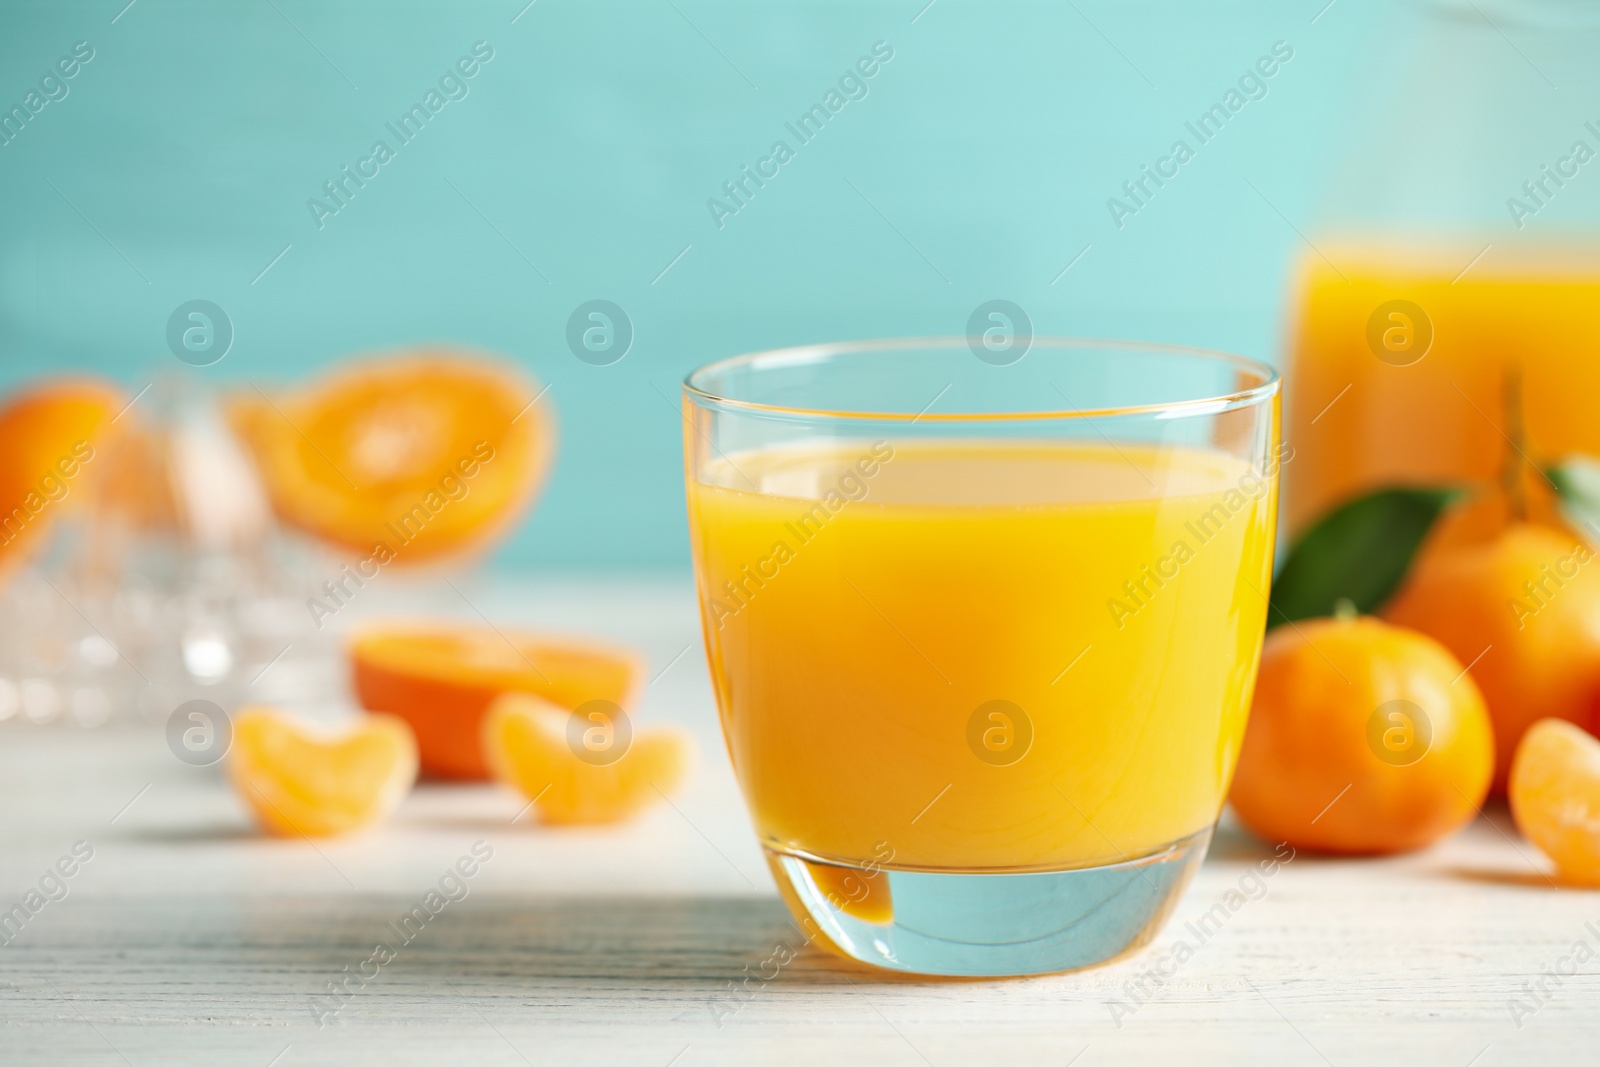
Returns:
(983, 633)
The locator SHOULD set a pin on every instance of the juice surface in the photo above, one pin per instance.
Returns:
(1514, 353)
(864, 603)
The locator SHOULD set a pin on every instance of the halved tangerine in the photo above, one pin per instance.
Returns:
(402, 457)
(530, 746)
(301, 781)
(441, 678)
(49, 431)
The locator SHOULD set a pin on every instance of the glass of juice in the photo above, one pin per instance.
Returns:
(983, 631)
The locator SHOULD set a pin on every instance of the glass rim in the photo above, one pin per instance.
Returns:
(799, 355)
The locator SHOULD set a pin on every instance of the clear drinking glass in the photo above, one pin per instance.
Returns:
(983, 621)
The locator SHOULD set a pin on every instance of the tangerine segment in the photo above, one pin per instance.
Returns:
(1555, 796)
(1363, 738)
(526, 741)
(302, 782)
(402, 457)
(441, 678)
(49, 431)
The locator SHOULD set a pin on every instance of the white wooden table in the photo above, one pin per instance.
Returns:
(187, 938)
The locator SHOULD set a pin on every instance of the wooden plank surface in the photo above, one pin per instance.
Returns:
(187, 938)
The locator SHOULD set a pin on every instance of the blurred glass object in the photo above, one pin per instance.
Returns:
(1447, 303)
(167, 580)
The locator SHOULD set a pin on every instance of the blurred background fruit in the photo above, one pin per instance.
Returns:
(49, 431)
(1363, 738)
(1523, 611)
(1485, 510)
(405, 456)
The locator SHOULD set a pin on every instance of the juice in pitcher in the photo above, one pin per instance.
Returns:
(1421, 365)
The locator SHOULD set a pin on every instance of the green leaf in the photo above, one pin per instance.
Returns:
(1577, 482)
(1358, 552)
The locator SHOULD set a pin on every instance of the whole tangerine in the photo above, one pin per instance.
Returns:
(1523, 611)
(1363, 738)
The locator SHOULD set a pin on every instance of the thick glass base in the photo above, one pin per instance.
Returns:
(990, 923)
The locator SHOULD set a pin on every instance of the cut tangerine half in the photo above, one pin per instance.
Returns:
(49, 431)
(1555, 796)
(302, 782)
(402, 457)
(532, 746)
(441, 678)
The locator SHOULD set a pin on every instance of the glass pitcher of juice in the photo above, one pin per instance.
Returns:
(1446, 313)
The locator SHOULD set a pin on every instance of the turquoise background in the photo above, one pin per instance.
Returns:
(977, 167)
